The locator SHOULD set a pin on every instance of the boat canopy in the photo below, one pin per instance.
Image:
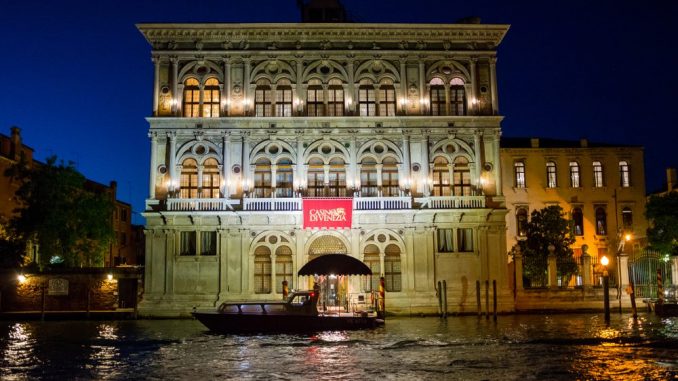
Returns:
(335, 264)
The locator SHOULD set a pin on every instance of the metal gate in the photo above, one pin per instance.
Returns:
(643, 270)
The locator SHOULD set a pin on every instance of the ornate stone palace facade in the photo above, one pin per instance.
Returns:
(249, 119)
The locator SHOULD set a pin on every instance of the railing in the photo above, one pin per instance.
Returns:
(279, 204)
(381, 203)
(201, 204)
(452, 202)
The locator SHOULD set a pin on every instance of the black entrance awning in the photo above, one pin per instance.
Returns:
(335, 264)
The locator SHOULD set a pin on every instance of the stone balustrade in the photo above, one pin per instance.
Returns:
(452, 202)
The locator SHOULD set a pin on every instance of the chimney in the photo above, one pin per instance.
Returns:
(534, 142)
(15, 146)
(671, 178)
(584, 143)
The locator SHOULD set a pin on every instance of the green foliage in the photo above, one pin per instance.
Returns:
(546, 227)
(662, 212)
(60, 215)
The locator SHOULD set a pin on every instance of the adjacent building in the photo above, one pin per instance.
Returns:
(390, 131)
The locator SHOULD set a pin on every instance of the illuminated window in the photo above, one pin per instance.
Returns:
(262, 99)
(372, 261)
(337, 180)
(627, 218)
(457, 97)
(189, 179)
(191, 99)
(574, 174)
(262, 178)
(187, 244)
(437, 97)
(624, 175)
(315, 184)
(521, 222)
(211, 99)
(387, 100)
(441, 177)
(208, 243)
(335, 98)
(551, 177)
(283, 268)
(262, 270)
(211, 181)
(601, 221)
(366, 100)
(519, 172)
(390, 186)
(283, 98)
(392, 272)
(368, 177)
(445, 240)
(315, 102)
(284, 185)
(462, 177)
(465, 239)
(578, 221)
(598, 175)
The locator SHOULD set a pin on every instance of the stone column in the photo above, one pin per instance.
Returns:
(351, 86)
(227, 165)
(587, 269)
(493, 85)
(552, 268)
(300, 175)
(406, 162)
(473, 96)
(172, 160)
(403, 85)
(298, 107)
(422, 88)
(154, 164)
(227, 86)
(518, 264)
(156, 84)
(497, 163)
(623, 270)
(424, 165)
(478, 156)
(174, 64)
(246, 86)
(246, 163)
(353, 152)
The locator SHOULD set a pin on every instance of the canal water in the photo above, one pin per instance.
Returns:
(520, 347)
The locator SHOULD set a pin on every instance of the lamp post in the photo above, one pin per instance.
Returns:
(606, 290)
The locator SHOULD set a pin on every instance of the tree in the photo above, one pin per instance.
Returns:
(662, 213)
(69, 223)
(546, 227)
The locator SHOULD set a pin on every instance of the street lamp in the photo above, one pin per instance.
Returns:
(606, 290)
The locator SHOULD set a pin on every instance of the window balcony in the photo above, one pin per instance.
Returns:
(272, 204)
(200, 204)
(382, 203)
(452, 202)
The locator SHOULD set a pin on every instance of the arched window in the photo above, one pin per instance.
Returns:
(262, 178)
(211, 181)
(366, 100)
(284, 179)
(283, 98)
(191, 99)
(390, 186)
(189, 179)
(283, 268)
(627, 218)
(462, 177)
(392, 272)
(262, 270)
(601, 221)
(372, 261)
(387, 99)
(441, 177)
(574, 174)
(457, 97)
(551, 176)
(368, 177)
(262, 99)
(624, 174)
(315, 102)
(598, 175)
(211, 99)
(335, 98)
(578, 221)
(519, 174)
(315, 185)
(337, 183)
(521, 222)
(437, 97)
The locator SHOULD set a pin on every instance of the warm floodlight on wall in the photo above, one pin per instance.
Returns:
(21, 278)
(628, 237)
(109, 277)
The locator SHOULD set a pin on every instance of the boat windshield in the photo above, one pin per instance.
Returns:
(299, 299)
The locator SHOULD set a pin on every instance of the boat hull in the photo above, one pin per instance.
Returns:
(263, 323)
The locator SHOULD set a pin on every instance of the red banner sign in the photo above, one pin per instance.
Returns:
(327, 213)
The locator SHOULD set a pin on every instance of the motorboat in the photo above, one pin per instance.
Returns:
(298, 313)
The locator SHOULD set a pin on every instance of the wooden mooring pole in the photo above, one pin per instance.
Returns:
(478, 297)
(487, 299)
(494, 298)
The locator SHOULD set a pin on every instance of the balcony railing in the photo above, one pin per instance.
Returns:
(452, 202)
(278, 204)
(201, 204)
(382, 203)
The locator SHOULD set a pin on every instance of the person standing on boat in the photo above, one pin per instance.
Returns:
(285, 289)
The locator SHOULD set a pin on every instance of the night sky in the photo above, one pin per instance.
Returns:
(78, 75)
